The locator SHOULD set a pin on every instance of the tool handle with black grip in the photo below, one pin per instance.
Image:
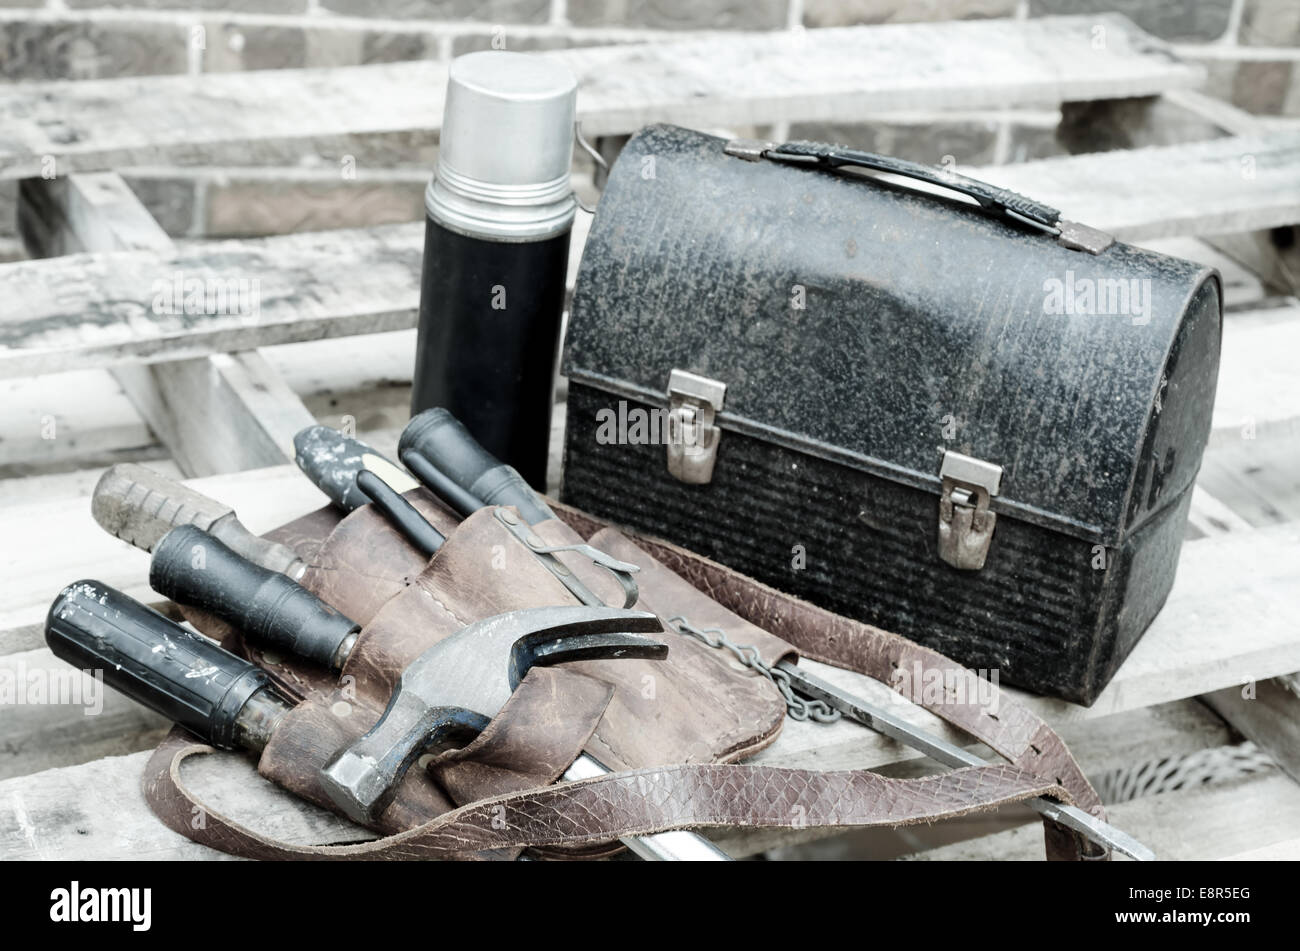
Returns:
(140, 506)
(192, 567)
(153, 660)
(447, 445)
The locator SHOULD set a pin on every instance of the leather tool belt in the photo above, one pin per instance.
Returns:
(673, 730)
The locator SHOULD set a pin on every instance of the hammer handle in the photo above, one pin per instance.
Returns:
(140, 506)
(192, 567)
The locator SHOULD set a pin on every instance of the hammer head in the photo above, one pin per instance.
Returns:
(459, 684)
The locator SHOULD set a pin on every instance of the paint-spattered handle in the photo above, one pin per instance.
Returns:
(153, 660)
(140, 506)
(332, 461)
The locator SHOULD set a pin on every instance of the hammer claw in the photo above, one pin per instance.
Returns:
(545, 650)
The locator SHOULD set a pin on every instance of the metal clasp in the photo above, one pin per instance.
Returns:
(692, 439)
(621, 570)
(965, 522)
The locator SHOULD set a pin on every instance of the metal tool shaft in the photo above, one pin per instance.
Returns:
(895, 727)
(676, 846)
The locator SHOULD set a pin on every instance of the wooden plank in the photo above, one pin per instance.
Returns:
(1242, 183)
(220, 413)
(56, 716)
(98, 309)
(1288, 851)
(1266, 713)
(95, 810)
(366, 378)
(75, 419)
(841, 74)
(1210, 516)
(1208, 822)
(1258, 395)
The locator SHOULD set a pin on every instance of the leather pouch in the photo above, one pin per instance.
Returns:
(673, 717)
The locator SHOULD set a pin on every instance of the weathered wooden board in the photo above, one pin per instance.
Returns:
(57, 814)
(52, 715)
(738, 79)
(88, 310)
(1228, 820)
(220, 413)
(1258, 396)
(366, 377)
(1269, 714)
(1242, 183)
(102, 310)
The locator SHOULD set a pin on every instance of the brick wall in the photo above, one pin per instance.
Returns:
(1249, 47)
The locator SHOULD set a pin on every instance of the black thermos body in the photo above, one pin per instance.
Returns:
(496, 246)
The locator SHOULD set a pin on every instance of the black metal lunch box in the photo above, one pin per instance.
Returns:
(975, 425)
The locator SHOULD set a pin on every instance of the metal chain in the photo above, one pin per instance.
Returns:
(797, 707)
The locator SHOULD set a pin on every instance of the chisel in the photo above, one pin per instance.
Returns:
(140, 506)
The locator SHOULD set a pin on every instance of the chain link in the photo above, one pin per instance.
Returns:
(797, 707)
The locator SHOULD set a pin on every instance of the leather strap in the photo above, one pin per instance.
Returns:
(636, 802)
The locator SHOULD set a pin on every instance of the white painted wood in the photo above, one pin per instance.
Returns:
(839, 74)
(1208, 822)
(1258, 396)
(1241, 183)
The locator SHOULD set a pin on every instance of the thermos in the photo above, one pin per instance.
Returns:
(496, 247)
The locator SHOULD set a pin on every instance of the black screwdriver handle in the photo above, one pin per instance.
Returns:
(447, 445)
(192, 567)
(153, 660)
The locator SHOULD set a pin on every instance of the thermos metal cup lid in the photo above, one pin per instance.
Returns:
(506, 148)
